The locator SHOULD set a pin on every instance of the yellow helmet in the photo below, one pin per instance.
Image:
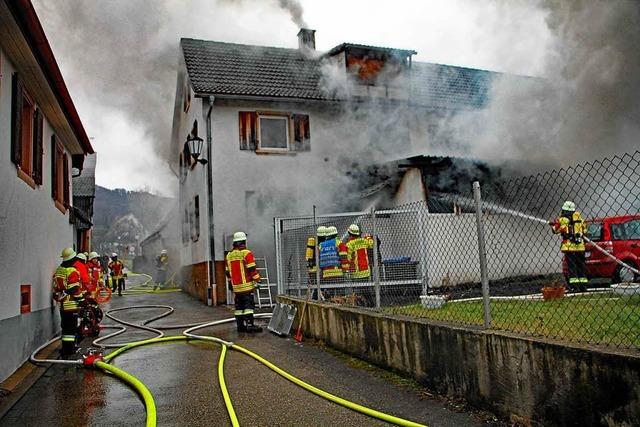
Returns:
(332, 231)
(93, 255)
(322, 231)
(354, 230)
(68, 254)
(81, 256)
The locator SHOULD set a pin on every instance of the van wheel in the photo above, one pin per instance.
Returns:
(625, 275)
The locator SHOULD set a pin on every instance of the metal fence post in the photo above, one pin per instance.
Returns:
(277, 224)
(376, 268)
(484, 278)
(317, 249)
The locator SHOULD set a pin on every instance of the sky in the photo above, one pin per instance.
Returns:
(119, 57)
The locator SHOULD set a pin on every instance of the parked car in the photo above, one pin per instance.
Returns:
(618, 235)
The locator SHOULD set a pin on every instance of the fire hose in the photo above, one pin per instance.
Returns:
(103, 363)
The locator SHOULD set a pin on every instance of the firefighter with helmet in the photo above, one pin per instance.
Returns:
(67, 290)
(334, 262)
(240, 268)
(310, 256)
(358, 247)
(116, 267)
(572, 228)
(162, 262)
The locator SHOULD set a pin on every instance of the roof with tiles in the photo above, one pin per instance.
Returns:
(85, 184)
(231, 69)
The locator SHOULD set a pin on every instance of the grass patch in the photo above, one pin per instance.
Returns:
(601, 319)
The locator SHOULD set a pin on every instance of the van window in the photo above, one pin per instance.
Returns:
(617, 231)
(632, 229)
(594, 231)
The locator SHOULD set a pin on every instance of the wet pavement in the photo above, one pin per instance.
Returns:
(183, 380)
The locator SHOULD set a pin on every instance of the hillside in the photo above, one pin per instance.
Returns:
(125, 214)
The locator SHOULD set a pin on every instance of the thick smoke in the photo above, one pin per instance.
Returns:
(295, 9)
(584, 106)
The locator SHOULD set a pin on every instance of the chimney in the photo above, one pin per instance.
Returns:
(306, 39)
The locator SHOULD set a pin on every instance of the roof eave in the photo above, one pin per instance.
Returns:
(27, 19)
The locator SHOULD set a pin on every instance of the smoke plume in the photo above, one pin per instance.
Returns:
(584, 106)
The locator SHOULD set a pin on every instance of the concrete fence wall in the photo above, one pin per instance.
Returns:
(534, 381)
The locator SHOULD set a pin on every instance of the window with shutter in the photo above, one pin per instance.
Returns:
(65, 179)
(301, 133)
(38, 148)
(248, 126)
(16, 119)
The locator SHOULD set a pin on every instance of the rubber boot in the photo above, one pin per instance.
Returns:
(250, 326)
(241, 325)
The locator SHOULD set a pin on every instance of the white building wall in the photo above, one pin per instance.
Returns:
(33, 232)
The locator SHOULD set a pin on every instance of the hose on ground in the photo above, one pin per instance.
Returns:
(188, 335)
(138, 386)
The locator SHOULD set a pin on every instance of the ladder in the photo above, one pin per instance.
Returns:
(263, 295)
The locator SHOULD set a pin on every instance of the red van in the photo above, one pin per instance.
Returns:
(618, 235)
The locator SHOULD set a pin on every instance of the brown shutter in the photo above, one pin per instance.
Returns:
(65, 179)
(38, 148)
(248, 126)
(16, 119)
(54, 168)
(301, 133)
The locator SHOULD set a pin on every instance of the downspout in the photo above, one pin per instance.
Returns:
(212, 251)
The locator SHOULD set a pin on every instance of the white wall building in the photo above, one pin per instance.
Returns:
(287, 129)
(41, 142)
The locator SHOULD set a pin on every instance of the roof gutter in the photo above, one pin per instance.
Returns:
(26, 18)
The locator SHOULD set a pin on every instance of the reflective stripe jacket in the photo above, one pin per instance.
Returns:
(310, 254)
(357, 248)
(572, 229)
(83, 270)
(116, 268)
(334, 260)
(67, 280)
(95, 275)
(240, 267)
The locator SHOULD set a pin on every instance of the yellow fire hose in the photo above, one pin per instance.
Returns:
(223, 388)
(142, 390)
(147, 397)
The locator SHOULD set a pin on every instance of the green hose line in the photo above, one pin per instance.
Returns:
(121, 350)
(223, 388)
(142, 390)
(340, 401)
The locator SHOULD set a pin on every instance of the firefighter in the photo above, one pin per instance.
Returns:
(116, 268)
(240, 268)
(80, 264)
(67, 290)
(310, 256)
(334, 261)
(572, 227)
(95, 271)
(162, 262)
(358, 247)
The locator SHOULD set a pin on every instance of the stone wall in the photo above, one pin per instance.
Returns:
(538, 381)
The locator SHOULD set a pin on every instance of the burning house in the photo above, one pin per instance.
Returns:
(260, 132)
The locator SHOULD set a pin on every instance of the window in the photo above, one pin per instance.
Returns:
(594, 231)
(617, 232)
(59, 175)
(185, 227)
(274, 132)
(25, 299)
(26, 136)
(195, 219)
(632, 229)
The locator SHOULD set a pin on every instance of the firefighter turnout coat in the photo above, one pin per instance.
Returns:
(357, 250)
(572, 229)
(67, 288)
(334, 261)
(240, 268)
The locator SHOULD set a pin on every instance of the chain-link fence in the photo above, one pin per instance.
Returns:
(488, 258)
